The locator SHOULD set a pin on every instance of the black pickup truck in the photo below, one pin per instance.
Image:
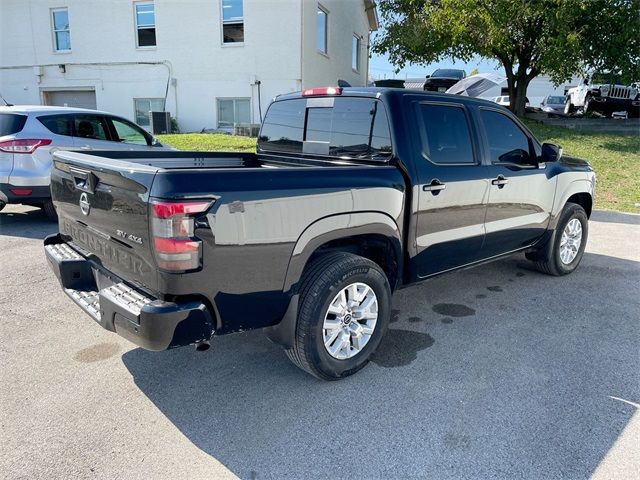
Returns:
(351, 194)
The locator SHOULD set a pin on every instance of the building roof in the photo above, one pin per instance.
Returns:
(372, 14)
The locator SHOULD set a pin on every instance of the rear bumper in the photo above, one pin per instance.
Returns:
(148, 322)
(26, 194)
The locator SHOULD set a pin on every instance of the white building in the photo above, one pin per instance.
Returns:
(211, 63)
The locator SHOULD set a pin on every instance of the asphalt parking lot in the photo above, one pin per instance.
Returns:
(495, 372)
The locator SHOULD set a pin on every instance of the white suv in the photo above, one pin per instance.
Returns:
(29, 135)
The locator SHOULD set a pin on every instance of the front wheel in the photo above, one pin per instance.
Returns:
(344, 311)
(568, 242)
(568, 107)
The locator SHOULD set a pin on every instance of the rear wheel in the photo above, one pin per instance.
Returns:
(567, 245)
(344, 311)
(50, 211)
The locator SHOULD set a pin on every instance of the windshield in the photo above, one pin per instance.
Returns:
(555, 100)
(447, 72)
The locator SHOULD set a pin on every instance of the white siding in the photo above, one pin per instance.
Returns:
(325, 70)
(189, 55)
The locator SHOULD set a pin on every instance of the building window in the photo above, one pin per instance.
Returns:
(145, 105)
(321, 31)
(355, 53)
(232, 21)
(61, 32)
(145, 24)
(233, 111)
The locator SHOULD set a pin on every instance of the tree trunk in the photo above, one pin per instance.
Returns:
(517, 85)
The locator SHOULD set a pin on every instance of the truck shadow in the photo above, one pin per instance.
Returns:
(25, 222)
(521, 385)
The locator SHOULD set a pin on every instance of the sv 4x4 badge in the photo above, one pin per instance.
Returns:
(129, 236)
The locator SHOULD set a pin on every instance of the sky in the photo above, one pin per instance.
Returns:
(380, 67)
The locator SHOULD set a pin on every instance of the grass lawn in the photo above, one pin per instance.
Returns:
(209, 142)
(616, 159)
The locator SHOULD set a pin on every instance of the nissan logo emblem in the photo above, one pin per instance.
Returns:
(84, 204)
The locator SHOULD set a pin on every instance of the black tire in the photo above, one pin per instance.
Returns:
(2, 204)
(568, 107)
(551, 263)
(322, 280)
(50, 211)
(587, 105)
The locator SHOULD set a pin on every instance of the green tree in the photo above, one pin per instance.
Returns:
(559, 38)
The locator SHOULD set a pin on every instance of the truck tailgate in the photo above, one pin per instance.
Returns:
(102, 206)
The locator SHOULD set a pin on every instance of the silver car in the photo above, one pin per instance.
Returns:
(29, 135)
(553, 104)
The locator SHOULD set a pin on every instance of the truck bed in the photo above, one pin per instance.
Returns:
(259, 209)
(173, 160)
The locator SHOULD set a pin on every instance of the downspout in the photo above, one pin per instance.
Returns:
(366, 72)
(302, 2)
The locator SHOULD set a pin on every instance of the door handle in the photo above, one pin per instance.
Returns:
(500, 181)
(434, 187)
(85, 147)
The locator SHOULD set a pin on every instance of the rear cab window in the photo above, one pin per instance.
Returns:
(337, 127)
(11, 123)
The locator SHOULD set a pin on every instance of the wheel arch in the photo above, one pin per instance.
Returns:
(583, 199)
(578, 191)
(372, 235)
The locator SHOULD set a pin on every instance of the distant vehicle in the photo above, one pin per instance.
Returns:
(553, 104)
(442, 79)
(504, 101)
(351, 194)
(30, 134)
(604, 98)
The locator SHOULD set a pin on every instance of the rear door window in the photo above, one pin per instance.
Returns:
(446, 139)
(91, 126)
(11, 123)
(346, 127)
(58, 124)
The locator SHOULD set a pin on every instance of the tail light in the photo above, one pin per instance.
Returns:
(172, 229)
(21, 191)
(28, 145)
(309, 92)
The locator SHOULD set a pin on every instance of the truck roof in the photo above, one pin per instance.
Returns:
(379, 92)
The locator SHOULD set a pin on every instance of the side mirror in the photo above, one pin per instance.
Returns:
(155, 142)
(427, 76)
(551, 152)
